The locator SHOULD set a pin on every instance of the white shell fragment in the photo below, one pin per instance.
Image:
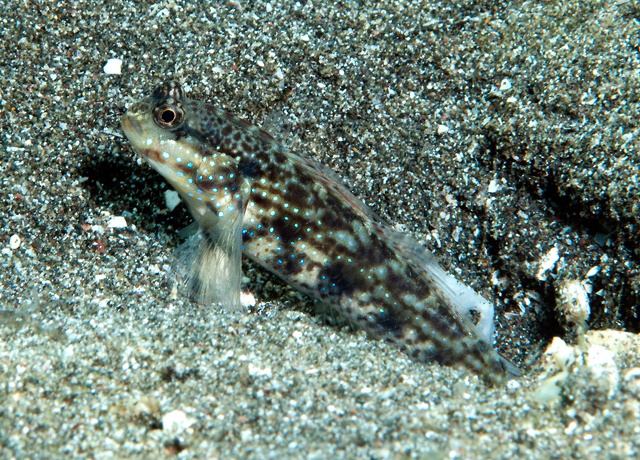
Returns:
(117, 222)
(14, 242)
(171, 199)
(113, 67)
(593, 271)
(247, 299)
(176, 422)
(548, 262)
(442, 129)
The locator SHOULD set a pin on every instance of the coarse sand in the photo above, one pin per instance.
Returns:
(504, 137)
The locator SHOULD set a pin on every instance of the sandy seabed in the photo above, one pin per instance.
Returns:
(504, 138)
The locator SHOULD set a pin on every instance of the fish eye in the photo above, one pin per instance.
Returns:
(168, 116)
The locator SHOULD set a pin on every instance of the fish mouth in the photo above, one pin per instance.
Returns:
(129, 125)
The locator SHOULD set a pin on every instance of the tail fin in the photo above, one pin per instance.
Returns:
(462, 298)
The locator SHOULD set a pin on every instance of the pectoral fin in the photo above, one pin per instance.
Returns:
(211, 260)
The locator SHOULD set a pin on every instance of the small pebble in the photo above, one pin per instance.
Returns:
(117, 222)
(14, 242)
(113, 67)
(171, 199)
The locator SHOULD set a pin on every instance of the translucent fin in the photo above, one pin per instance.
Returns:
(330, 179)
(277, 126)
(211, 261)
(189, 230)
(510, 369)
(465, 300)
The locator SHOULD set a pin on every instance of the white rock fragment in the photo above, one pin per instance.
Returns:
(593, 363)
(117, 222)
(505, 84)
(456, 234)
(14, 242)
(442, 129)
(593, 271)
(171, 199)
(176, 422)
(494, 186)
(256, 371)
(561, 354)
(627, 137)
(620, 342)
(571, 428)
(113, 67)
(163, 14)
(632, 381)
(603, 369)
(588, 99)
(513, 385)
(558, 357)
(246, 435)
(247, 299)
(548, 262)
(68, 353)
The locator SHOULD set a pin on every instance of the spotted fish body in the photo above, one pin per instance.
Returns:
(293, 216)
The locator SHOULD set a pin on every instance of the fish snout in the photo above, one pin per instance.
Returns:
(131, 126)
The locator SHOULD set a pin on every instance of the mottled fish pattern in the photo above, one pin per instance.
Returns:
(294, 216)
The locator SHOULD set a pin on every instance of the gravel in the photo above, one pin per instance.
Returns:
(503, 137)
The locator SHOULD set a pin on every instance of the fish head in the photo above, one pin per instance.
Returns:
(178, 138)
(153, 126)
(153, 121)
